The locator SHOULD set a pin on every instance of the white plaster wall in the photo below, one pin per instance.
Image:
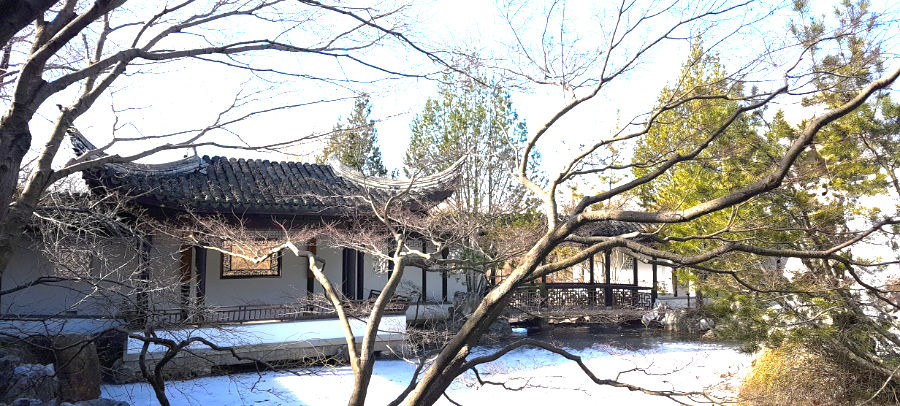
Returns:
(622, 272)
(333, 257)
(663, 276)
(24, 267)
(332, 269)
(165, 272)
(286, 288)
(166, 286)
(456, 282)
(411, 282)
(67, 298)
(375, 276)
(434, 287)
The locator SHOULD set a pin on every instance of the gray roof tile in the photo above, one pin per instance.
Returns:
(228, 185)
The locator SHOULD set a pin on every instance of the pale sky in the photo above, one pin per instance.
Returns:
(177, 96)
(191, 94)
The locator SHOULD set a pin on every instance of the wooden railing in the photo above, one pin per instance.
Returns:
(553, 296)
(276, 312)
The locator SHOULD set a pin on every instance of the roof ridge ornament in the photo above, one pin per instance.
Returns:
(444, 178)
(81, 145)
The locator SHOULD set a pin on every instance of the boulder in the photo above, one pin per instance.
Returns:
(8, 364)
(32, 402)
(96, 402)
(78, 368)
(30, 381)
(499, 329)
(654, 318)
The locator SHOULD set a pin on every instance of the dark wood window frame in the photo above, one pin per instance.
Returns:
(227, 272)
(352, 274)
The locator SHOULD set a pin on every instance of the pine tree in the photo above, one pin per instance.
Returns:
(355, 143)
(480, 123)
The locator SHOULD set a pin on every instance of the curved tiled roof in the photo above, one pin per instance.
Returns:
(613, 228)
(254, 186)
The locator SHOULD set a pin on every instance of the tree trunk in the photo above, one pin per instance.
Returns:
(15, 140)
(367, 351)
(361, 382)
(445, 367)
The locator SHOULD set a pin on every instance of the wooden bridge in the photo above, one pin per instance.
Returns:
(570, 296)
(573, 296)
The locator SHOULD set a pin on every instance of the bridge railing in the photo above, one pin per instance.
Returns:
(569, 295)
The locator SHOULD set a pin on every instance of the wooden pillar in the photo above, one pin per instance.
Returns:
(634, 281)
(360, 275)
(200, 258)
(634, 268)
(424, 296)
(444, 254)
(185, 279)
(592, 292)
(310, 277)
(654, 290)
(591, 269)
(143, 283)
(349, 274)
(607, 291)
(542, 292)
(674, 283)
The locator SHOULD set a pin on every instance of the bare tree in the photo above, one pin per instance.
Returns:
(94, 249)
(585, 76)
(92, 44)
(781, 72)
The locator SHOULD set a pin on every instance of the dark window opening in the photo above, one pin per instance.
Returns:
(352, 277)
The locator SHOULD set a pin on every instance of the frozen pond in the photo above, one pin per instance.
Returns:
(532, 376)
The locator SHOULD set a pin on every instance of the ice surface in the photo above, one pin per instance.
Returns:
(542, 377)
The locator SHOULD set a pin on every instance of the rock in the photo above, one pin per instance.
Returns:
(30, 381)
(52, 402)
(653, 319)
(709, 335)
(706, 324)
(8, 365)
(120, 372)
(498, 330)
(110, 348)
(96, 402)
(78, 366)
(672, 320)
(32, 402)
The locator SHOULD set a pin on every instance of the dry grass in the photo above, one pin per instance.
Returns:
(794, 375)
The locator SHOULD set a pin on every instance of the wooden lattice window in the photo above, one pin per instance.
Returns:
(236, 266)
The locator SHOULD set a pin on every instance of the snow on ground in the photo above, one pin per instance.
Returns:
(273, 332)
(532, 376)
(51, 327)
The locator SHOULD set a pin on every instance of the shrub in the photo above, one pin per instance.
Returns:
(792, 374)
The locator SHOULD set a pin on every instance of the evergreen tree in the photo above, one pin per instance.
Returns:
(480, 123)
(355, 143)
(820, 203)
